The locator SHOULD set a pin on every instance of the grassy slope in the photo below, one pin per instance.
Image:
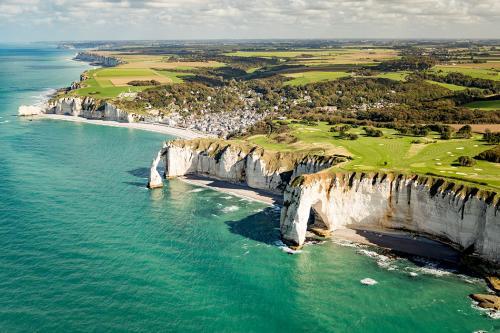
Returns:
(485, 105)
(449, 86)
(399, 152)
(100, 86)
(176, 77)
(396, 76)
(316, 76)
(481, 73)
(284, 54)
(310, 77)
(123, 72)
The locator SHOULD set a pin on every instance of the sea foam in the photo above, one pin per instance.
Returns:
(229, 209)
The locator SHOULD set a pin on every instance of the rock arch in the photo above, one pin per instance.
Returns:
(318, 222)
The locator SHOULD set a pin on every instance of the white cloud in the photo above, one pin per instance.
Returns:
(157, 19)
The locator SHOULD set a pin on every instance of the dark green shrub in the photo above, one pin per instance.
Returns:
(464, 132)
(491, 137)
(373, 132)
(491, 155)
(139, 83)
(466, 161)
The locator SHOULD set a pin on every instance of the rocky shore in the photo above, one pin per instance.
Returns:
(490, 301)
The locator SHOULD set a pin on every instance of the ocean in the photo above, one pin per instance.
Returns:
(84, 246)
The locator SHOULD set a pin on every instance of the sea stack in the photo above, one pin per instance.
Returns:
(155, 179)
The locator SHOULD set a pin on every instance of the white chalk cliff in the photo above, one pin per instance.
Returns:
(155, 179)
(237, 162)
(85, 107)
(464, 217)
(97, 59)
(89, 108)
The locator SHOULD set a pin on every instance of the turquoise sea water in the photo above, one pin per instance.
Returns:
(84, 246)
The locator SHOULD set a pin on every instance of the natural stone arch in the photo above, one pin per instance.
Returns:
(155, 179)
(318, 221)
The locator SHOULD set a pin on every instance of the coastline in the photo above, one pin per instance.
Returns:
(157, 128)
(241, 191)
(400, 242)
(149, 127)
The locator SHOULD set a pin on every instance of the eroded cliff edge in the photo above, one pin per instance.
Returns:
(85, 107)
(98, 59)
(317, 197)
(236, 162)
(468, 218)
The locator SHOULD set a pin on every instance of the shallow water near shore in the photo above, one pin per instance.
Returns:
(84, 246)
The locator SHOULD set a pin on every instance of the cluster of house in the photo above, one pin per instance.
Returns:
(220, 124)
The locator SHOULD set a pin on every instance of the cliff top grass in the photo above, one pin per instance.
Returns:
(285, 161)
(106, 83)
(436, 185)
(136, 60)
(282, 161)
(427, 155)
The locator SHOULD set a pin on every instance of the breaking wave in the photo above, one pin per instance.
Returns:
(43, 96)
(196, 190)
(229, 209)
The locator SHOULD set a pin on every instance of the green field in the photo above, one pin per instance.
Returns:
(394, 152)
(485, 105)
(321, 57)
(284, 54)
(110, 82)
(253, 69)
(452, 87)
(480, 73)
(176, 77)
(396, 76)
(313, 76)
(94, 89)
(123, 72)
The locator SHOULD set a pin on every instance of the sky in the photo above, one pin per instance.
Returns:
(47, 20)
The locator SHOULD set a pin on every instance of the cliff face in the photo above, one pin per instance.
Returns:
(237, 162)
(88, 108)
(317, 198)
(466, 217)
(98, 60)
(85, 107)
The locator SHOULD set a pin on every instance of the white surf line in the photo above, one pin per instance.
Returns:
(244, 192)
(157, 128)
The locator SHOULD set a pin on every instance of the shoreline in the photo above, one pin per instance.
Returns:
(150, 127)
(238, 190)
(402, 243)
